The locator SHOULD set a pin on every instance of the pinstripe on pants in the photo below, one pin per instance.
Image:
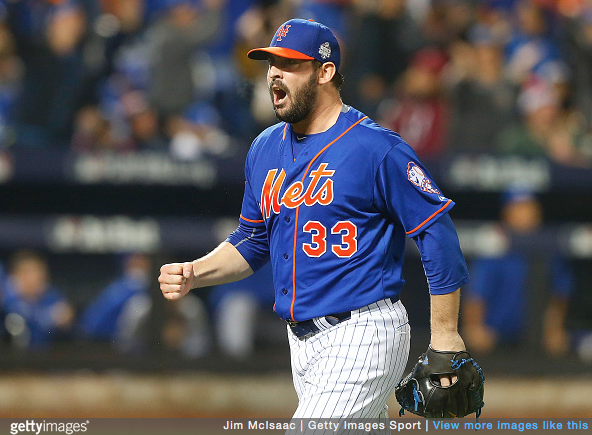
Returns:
(349, 370)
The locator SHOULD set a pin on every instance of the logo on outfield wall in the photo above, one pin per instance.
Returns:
(93, 234)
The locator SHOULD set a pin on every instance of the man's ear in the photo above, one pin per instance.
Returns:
(326, 72)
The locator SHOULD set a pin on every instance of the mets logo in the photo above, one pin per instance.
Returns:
(318, 191)
(325, 50)
(418, 177)
(282, 32)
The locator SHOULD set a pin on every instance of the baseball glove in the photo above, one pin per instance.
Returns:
(421, 393)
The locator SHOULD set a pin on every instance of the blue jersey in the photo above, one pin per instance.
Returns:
(333, 214)
(502, 284)
(38, 314)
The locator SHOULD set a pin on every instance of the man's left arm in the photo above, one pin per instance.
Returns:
(444, 310)
(459, 391)
(446, 272)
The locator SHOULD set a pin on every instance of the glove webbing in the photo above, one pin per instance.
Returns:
(456, 364)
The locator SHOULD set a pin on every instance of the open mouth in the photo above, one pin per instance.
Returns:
(279, 96)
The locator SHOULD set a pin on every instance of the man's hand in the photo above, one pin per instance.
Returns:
(176, 279)
(447, 342)
(224, 264)
(419, 394)
(444, 328)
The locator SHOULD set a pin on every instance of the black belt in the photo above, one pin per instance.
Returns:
(308, 327)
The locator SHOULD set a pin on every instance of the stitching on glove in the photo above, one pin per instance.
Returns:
(416, 396)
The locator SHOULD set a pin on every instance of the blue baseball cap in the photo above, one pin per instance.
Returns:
(517, 193)
(301, 39)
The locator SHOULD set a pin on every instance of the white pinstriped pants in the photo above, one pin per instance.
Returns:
(349, 370)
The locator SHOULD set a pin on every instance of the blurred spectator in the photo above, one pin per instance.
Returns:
(447, 21)
(532, 44)
(579, 318)
(2, 313)
(178, 40)
(255, 28)
(221, 83)
(145, 133)
(239, 309)
(10, 76)
(94, 133)
(578, 43)
(332, 13)
(175, 38)
(186, 327)
(137, 127)
(118, 314)
(36, 313)
(419, 111)
(198, 132)
(545, 128)
(386, 36)
(48, 37)
(482, 100)
(509, 291)
(112, 26)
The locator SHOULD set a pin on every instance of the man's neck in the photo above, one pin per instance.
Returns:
(321, 119)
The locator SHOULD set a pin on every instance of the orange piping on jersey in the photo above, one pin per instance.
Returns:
(294, 266)
(258, 221)
(430, 218)
(329, 144)
(285, 128)
(298, 208)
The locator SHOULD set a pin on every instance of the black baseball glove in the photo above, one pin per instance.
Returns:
(421, 393)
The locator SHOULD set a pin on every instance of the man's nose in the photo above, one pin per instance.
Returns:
(274, 72)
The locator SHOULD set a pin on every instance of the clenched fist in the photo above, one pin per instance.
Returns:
(176, 279)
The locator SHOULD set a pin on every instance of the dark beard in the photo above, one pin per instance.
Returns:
(303, 102)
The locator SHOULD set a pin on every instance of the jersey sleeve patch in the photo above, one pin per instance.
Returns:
(417, 177)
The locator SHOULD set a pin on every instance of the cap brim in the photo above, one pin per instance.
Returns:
(263, 53)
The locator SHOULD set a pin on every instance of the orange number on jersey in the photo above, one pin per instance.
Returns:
(349, 243)
(319, 235)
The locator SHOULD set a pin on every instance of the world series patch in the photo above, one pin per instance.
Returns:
(325, 50)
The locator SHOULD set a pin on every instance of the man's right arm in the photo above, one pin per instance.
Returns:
(245, 251)
(224, 264)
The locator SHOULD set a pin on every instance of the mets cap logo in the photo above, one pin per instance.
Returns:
(283, 31)
(416, 175)
(325, 50)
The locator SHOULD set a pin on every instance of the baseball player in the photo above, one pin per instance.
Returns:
(330, 198)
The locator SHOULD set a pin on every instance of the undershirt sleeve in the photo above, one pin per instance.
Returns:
(443, 261)
(250, 238)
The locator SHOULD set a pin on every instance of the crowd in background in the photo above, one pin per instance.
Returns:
(127, 316)
(35, 314)
(497, 76)
(518, 298)
(451, 76)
